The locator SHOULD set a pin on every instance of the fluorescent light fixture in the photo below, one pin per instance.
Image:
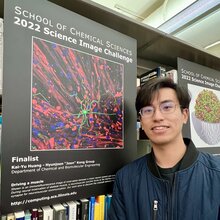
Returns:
(212, 45)
(190, 13)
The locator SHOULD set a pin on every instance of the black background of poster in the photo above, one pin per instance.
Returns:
(191, 73)
(16, 111)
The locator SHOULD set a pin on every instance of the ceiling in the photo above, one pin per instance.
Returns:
(198, 20)
(140, 21)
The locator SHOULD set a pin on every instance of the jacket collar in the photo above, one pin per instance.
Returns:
(188, 159)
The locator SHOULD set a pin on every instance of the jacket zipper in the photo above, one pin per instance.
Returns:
(155, 209)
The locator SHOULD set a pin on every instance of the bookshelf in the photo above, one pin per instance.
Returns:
(93, 208)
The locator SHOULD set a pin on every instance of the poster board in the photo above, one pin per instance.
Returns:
(203, 84)
(69, 87)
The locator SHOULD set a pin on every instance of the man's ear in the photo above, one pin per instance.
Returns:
(185, 113)
(140, 122)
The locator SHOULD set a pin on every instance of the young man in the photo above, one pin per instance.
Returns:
(175, 181)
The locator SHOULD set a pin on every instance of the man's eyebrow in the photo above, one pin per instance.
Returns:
(167, 100)
(162, 102)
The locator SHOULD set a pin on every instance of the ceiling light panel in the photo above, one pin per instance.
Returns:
(166, 11)
(194, 11)
(204, 32)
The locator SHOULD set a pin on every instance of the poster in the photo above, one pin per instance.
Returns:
(69, 88)
(203, 84)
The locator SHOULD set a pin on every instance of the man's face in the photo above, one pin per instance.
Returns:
(164, 125)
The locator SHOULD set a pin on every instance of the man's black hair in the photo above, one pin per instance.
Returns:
(147, 92)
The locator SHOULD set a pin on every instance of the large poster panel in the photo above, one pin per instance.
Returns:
(204, 86)
(69, 87)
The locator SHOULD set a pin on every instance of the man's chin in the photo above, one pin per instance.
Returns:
(161, 141)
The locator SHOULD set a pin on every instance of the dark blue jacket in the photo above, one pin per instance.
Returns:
(140, 194)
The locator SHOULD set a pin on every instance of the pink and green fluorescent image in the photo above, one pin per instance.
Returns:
(77, 99)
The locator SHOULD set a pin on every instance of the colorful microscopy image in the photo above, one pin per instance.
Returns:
(207, 107)
(204, 116)
(77, 99)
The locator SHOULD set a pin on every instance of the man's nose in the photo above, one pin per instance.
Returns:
(158, 115)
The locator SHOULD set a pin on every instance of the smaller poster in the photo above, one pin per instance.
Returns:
(205, 116)
(203, 84)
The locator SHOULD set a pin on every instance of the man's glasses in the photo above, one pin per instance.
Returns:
(165, 108)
